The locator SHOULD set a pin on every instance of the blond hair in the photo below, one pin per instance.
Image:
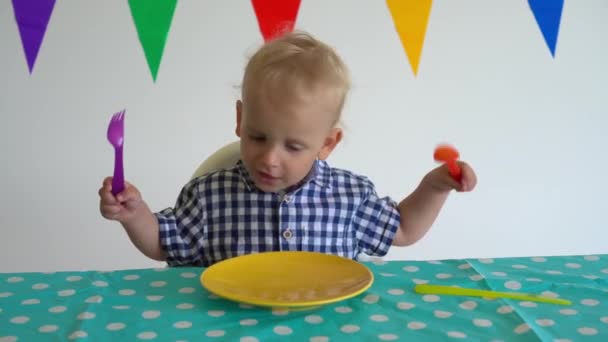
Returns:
(295, 67)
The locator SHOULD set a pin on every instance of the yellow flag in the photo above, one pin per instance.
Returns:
(411, 18)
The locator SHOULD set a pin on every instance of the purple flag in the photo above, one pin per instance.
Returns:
(32, 17)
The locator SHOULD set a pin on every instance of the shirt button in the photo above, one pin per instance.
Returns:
(287, 199)
(287, 234)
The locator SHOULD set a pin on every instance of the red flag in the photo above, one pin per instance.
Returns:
(275, 17)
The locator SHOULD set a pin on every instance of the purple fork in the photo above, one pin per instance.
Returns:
(116, 131)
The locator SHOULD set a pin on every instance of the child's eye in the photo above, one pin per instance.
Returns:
(294, 148)
(257, 137)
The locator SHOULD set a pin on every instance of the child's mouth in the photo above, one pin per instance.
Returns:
(267, 178)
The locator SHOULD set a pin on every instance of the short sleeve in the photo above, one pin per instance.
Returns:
(376, 221)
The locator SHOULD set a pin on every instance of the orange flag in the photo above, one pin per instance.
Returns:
(411, 18)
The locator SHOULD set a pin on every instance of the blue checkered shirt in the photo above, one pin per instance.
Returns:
(223, 215)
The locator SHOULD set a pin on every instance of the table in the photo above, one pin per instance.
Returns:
(169, 304)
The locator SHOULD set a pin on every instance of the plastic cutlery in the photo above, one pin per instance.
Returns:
(116, 131)
(459, 291)
(449, 155)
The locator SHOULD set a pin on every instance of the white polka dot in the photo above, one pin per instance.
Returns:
(115, 326)
(161, 269)
(568, 312)
(66, 293)
(154, 298)
(562, 340)
(184, 306)
(549, 294)
(388, 274)
(604, 319)
(319, 339)
(476, 277)
(387, 337)
(419, 281)
(280, 312)
(378, 318)
(15, 279)
(5, 294)
(592, 257)
(590, 276)
(605, 270)
(468, 305)
(350, 328)
(456, 334)
(434, 262)
(313, 319)
(48, 328)
(213, 296)
(182, 325)
(100, 283)
(443, 276)
(396, 292)
(513, 285)
(248, 322)
(442, 314)
(519, 267)
(528, 304)
(73, 278)
(416, 325)
(216, 313)
(343, 309)
(249, 339)
(554, 272)
(187, 290)
(536, 280)
(573, 265)
(8, 339)
(86, 315)
(379, 262)
(159, 283)
(486, 261)
(522, 328)
(545, 322)
(499, 274)
(131, 277)
(58, 309)
(411, 269)
(150, 314)
(538, 259)
(482, 323)
(590, 302)
(431, 298)
(147, 335)
(94, 299)
(505, 309)
(78, 334)
(30, 301)
(282, 330)
(371, 299)
(188, 275)
(126, 292)
(121, 307)
(587, 331)
(405, 305)
(464, 266)
(40, 286)
(20, 319)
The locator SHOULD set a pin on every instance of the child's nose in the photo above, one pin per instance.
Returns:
(270, 157)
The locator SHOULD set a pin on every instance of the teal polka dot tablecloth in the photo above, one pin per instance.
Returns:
(170, 305)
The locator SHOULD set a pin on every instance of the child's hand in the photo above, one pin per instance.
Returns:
(440, 179)
(122, 207)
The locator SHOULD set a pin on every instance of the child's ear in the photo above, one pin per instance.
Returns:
(332, 140)
(239, 116)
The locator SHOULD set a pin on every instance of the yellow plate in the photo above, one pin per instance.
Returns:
(287, 279)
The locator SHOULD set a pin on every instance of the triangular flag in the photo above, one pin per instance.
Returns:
(411, 18)
(548, 14)
(152, 21)
(32, 18)
(275, 17)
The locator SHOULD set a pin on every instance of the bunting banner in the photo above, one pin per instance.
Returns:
(153, 20)
(548, 14)
(32, 17)
(410, 18)
(275, 17)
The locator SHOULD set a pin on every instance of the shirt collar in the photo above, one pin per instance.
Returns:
(320, 175)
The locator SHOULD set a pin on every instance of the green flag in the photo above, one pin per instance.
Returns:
(152, 20)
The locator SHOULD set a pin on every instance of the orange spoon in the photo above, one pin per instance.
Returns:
(449, 155)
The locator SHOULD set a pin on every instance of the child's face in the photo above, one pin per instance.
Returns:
(279, 147)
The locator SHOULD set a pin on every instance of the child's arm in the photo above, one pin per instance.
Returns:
(419, 210)
(133, 213)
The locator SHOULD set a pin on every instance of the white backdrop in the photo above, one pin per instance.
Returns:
(532, 126)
